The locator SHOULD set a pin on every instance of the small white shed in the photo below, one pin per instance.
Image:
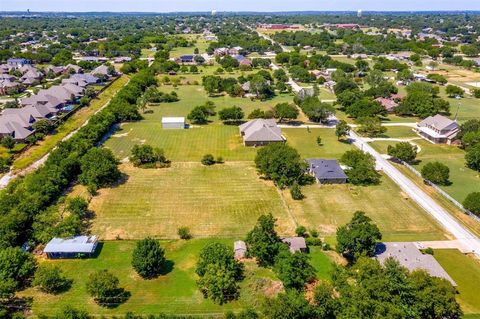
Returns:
(173, 122)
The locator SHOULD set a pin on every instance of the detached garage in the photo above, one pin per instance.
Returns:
(173, 122)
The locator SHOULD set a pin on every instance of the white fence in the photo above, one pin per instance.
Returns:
(442, 192)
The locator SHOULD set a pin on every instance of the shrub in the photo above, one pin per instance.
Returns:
(301, 231)
(184, 233)
(314, 233)
(208, 160)
(313, 241)
(428, 251)
(148, 258)
(51, 280)
(296, 192)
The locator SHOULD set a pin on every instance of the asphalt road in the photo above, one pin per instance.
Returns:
(470, 241)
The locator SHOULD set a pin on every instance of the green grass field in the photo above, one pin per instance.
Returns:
(464, 180)
(465, 271)
(182, 145)
(176, 292)
(328, 206)
(217, 201)
(306, 143)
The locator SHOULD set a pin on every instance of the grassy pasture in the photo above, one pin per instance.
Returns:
(465, 270)
(175, 292)
(398, 217)
(218, 201)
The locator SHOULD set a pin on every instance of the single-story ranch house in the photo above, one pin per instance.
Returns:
(326, 171)
(260, 132)
(73, 247)
(438, 129)
(410, 257)
(173, 122)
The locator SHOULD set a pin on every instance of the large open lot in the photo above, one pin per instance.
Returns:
(219, 201)
(327, 207)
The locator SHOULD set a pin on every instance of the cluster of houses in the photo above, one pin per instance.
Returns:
(46, 104)
(269, 26)
(227, 51)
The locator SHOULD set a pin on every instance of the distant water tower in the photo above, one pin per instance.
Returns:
(359, 13)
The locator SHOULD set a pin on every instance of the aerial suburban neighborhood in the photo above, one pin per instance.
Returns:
(275, 160)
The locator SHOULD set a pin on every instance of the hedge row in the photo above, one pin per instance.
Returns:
(25, 199)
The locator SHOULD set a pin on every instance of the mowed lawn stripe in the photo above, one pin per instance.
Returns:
(220, 201)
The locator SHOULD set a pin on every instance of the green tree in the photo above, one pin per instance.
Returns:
(16, 267)
(148, 258)
(50, 279)
(296, 192)
(218, 284)
(285, 111)
(104, 288)
(358, 238)
(219, 273)
(453, 91)
(289, 305)
(233, 114)
(43, 126)
(294, 270)
(263, 242)
(437, 173)
(403, 151)
(342, 129)
(324, 301)
(8, 142)
(99, 168)
(71, 313)
(78, 206)
(280, 163)
(145, 156)
(472, 157)
(476, 93)
(198, 115)
(371, 126)
(472, 203)
(361, 169)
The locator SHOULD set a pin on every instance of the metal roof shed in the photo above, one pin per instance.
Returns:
(72, 247)
(173, 122)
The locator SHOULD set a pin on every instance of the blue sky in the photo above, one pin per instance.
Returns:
(231, 5)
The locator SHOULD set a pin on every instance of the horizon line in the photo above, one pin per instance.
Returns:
(250, 11)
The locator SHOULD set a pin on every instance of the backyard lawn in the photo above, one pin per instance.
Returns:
(36, 152)
(465, 270)
(217, 201)
(176, 292)
(305, 141)
(328, 206)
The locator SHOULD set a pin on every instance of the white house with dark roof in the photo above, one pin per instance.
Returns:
(260, 132)
(438, 129)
